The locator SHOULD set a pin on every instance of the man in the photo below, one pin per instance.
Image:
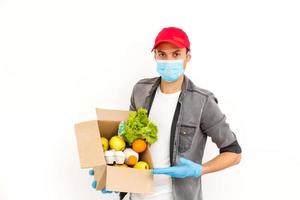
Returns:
(185, 115)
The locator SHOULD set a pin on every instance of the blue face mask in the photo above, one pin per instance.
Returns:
(170, 70)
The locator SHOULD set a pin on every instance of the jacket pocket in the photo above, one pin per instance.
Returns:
(186, 135)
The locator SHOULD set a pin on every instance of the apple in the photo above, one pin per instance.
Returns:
(141, 165)
(104, 142)
(117, 143)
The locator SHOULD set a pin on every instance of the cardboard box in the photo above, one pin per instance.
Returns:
(91, 155)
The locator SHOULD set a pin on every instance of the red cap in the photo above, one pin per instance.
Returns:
(173, 35)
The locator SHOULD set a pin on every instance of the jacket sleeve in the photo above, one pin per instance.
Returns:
(213, 123)
(234, 147)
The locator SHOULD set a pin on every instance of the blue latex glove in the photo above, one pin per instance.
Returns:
(94, 184)
(186, 168)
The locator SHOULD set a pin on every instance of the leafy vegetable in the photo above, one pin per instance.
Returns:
(139, 126)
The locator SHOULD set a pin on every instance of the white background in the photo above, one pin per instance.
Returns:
(61, 59)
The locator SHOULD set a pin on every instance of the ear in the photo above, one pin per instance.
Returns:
(188, 57)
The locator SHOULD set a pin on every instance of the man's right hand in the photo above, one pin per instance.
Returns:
(94, 184)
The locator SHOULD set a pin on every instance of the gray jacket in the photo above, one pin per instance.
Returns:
(197, 116)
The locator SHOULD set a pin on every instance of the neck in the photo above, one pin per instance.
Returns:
(171, 87)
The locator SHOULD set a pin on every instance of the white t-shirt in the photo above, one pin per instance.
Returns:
(161, 114)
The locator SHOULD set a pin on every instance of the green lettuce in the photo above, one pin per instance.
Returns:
(139, 126)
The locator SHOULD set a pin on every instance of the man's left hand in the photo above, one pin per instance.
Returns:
(186, 168)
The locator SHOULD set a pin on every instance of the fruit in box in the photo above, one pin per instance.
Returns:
(131, 157)
(104, 142)
(139, 145)
(141, 165)
(117, 143)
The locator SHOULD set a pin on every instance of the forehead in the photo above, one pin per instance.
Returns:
(167, 47)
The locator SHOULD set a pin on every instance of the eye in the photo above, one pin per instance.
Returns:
(161, 54)
(176, 54)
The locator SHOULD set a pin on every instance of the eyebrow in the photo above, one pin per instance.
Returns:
(160, 51)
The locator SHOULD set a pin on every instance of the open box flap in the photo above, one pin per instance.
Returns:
(100, 176)
(89, 144)
(111, 115)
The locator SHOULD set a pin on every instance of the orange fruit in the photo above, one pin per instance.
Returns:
(139, 145)
(132, 160)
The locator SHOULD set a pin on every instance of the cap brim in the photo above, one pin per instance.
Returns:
(177, 44)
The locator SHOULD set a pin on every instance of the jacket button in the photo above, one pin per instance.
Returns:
(184, 132)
